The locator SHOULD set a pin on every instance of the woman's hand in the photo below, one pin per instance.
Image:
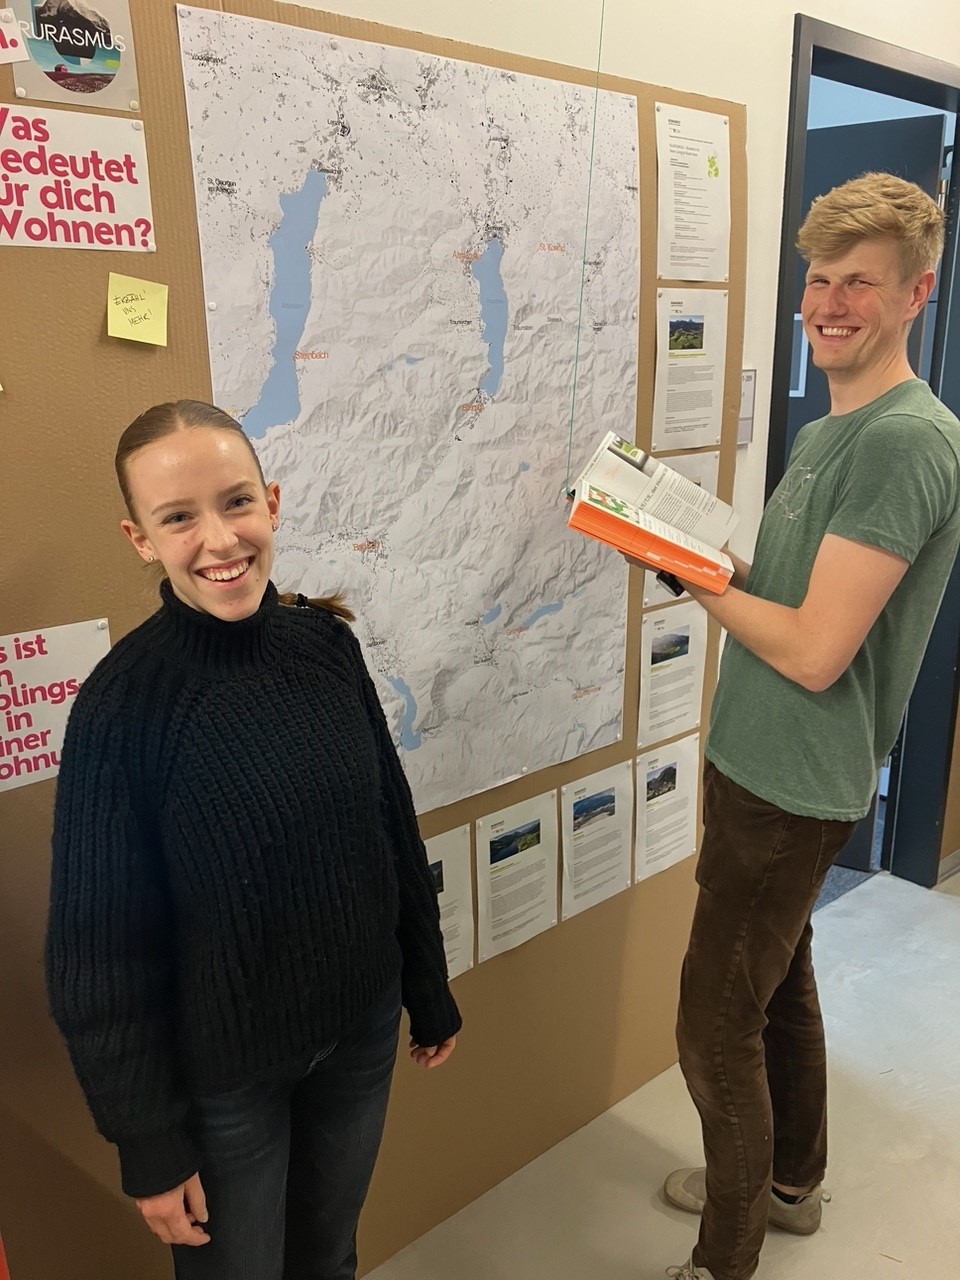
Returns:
(431, 1056)
(175, 1216)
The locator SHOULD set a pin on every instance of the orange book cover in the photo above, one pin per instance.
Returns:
(620, 525)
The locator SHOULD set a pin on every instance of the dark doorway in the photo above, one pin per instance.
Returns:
(911, 148)
(904, 829)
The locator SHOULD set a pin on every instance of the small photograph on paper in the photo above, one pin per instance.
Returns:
(86, 76)
(436, 870)
(602, 805)
(661, 781)
(514, 842)
(686, 333)
(675, 644)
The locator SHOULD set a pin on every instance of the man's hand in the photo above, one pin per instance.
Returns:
(175, 1216)
(430, 1056)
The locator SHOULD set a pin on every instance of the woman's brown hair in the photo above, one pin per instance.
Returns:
(186, 415)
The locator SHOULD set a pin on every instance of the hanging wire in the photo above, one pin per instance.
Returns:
(583, 264)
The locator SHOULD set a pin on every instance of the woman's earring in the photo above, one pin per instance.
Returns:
(274, 525)
(151, 560)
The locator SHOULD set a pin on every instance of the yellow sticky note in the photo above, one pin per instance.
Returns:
(137, 309)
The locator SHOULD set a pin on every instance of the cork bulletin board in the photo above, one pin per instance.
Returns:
(596, 994)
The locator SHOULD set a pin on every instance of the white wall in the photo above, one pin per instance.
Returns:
(734, 49)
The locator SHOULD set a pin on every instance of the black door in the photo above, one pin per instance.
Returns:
(922, 769)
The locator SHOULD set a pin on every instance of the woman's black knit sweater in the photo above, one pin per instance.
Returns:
(237, 871)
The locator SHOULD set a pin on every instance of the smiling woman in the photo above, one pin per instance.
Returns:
(204, 513)
(240, 899)
(198, 503)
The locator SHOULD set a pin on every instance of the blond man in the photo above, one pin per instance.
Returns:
(826, 630)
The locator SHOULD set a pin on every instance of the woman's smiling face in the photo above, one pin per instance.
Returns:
(204, 513)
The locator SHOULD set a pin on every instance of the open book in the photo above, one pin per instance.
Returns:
(638, 505)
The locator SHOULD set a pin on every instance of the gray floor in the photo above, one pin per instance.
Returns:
(888, 960)
(840, 880)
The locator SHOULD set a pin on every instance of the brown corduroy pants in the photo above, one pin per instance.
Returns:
(750, 1033)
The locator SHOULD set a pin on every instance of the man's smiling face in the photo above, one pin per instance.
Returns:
(856, 309)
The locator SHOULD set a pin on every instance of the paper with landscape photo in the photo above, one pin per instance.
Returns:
(667, 789)
(691, 356)
(597, 821)
(673, 646)
(517, 854)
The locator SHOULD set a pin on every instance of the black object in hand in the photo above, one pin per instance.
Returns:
(670, 583)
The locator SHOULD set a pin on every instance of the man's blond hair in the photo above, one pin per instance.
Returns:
(874, 207)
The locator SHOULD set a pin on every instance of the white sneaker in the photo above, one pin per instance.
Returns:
(689, 1272)
(687, 1189)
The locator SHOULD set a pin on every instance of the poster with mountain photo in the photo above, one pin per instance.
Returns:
(81, 52)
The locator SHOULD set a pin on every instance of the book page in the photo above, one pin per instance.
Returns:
(630, 514)
(704, 470)
(688, 508)
(622, 470)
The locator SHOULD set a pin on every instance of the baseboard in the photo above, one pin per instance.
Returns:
(949, 866)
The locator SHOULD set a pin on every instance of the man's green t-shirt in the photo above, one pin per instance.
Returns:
(887, 475)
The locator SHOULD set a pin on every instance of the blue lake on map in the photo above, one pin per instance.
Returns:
(409, 739)
(543, 612)
(289, 304)
(492, 614)
(493, 312)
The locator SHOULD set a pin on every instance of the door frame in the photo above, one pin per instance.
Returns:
(920, 771)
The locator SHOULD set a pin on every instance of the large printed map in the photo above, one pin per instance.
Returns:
(393, 259)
